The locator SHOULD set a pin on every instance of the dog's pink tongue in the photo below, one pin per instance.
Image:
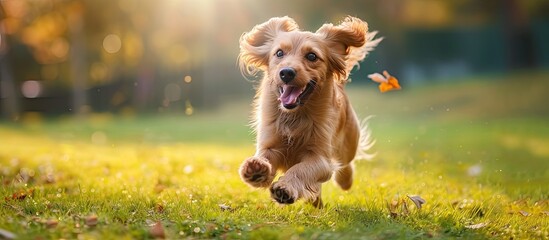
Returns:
(289, 95)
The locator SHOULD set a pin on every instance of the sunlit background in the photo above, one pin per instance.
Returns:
(129, 112)
(63, 57)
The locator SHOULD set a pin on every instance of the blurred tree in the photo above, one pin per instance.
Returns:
(517, 35)
(8, 90)
(78, 55)
(172, 55)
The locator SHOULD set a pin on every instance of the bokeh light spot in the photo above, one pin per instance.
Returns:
(189, 110)
(31, 89)
(474, 170)
(188, 169)
(188, 79)
(112, 43)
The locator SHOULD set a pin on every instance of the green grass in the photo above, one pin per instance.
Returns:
(476, 151)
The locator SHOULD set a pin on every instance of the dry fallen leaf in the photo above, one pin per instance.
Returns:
(21, 195)
(51, 223)
(157, 230)
(417, 200)
(224, 207)
(393, 208)
(542, 203)
(386, 82)
(524, 213)
(476, 226)
(91, 220)
(159, 208)
(405, 207)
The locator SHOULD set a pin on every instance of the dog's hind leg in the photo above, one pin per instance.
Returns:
(318, 201)
(344, 176)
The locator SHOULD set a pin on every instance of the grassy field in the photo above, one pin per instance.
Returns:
(476, 150)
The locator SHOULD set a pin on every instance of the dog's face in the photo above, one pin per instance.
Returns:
(299, 64)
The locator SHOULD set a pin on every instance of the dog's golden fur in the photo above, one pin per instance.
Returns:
(305, 125)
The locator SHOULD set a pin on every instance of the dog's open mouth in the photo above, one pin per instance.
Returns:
(292, 96)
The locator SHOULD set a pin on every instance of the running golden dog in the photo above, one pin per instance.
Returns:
(304, 122)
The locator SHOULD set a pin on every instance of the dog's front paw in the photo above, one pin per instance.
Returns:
(256, 172)
(283, 193)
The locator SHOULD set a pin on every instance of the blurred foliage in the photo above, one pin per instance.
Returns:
(129, 55)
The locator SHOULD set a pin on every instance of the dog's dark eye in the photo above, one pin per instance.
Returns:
(279, 53)
(311, 57)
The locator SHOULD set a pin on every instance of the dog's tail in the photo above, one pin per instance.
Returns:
(358, 54)
(366, 141)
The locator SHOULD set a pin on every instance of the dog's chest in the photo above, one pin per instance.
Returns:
(295, 130)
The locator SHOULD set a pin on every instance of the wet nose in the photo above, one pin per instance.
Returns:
(287, 74)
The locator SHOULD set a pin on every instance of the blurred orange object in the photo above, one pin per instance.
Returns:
(386, 81)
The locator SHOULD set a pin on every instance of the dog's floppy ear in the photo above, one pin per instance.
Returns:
(255, 45)
(349, 43)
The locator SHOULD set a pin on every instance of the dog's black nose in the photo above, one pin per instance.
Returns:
(287, 74)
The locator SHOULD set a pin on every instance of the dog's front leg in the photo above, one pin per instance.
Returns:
(260, 170)
(303, 180)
